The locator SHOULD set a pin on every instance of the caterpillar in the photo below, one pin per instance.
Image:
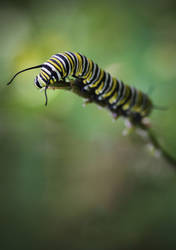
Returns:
(99, 85)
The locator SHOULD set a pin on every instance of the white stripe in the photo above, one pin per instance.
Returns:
(110, 86)
(51, 76)
(87, 68)
(84, 62)
(123, 94)
(75, 60)
(36, 80)
(70, 55)
(46, 71)
(119, 92)
(54, 69)
(114, 94)
(104, 87)
(93, 74)
(62, 61)
(96, 79)
(41, 81)
(70, 67)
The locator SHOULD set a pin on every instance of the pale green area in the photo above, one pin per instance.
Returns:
(69, 179)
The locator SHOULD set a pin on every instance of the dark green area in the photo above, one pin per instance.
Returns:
(69, 179)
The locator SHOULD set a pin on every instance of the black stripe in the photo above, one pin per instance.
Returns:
(55, 57)
(82, 59)
(85, 68)
(107, 86)
(120, 94)
(42, 70)
(48, 68)
(133, 99)
(115, 90)
(96, 71)
(43, 79)
(76, 63)
(103, 78)
(37, 83)
(70, 59)
(61, 72)
(66, 62)
(129, 97)
(53, 73)
(118, 84)
(107, 98)
(105, 83)
(144, 102)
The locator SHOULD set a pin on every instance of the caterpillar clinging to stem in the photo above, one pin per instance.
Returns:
(99, 85)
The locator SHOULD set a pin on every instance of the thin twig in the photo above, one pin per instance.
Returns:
(157, 146)
(74, 86)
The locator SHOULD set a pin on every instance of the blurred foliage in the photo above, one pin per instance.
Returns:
(69, 179)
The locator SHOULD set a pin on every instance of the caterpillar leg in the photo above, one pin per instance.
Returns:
(146, 122)
(115, 115)
(86, 101)
(129, 127)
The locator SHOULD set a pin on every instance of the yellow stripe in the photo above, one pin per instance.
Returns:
(127, 92)
(113, 87)
(55, 65)
(99, 80)
(113, 98)
(45, 75)
(71, 62)
(147, 108)
(79, 64)
(138, 105)
(98, 91)
(62, 67)
(89, 70)
(127, 105)
(91, 73)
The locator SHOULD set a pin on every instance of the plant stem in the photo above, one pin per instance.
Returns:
(74, 86)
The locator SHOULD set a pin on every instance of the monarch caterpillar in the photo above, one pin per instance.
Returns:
(118, 97)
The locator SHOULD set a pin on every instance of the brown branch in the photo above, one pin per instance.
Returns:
(74, 86)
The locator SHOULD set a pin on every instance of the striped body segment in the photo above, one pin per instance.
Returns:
(105, 88)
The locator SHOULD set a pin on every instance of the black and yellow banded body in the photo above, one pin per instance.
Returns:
(100, 84)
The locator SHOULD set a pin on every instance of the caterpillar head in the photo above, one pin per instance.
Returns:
(40, 82)
(46, 77)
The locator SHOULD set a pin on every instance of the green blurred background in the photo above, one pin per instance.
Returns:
(69, 179)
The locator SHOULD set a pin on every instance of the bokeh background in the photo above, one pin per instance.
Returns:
(69, 179)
